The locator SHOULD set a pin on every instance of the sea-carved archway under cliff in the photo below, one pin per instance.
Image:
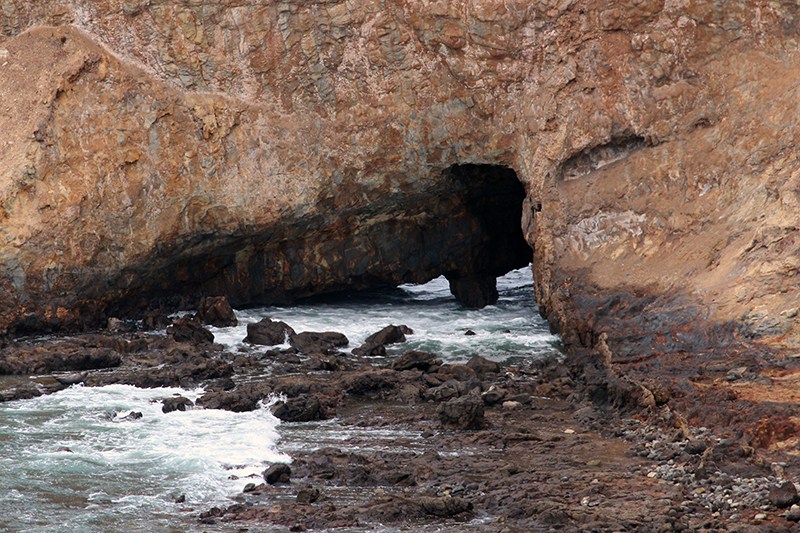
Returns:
(467, 228)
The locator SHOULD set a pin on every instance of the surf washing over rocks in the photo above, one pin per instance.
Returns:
(108, 457)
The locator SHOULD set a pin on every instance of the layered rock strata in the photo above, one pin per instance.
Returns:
(161, 150)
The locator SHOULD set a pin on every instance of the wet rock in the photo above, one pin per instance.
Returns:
(311, 342)
(482, 366)
(391, 334)
(371, 383)
(190, 330)
(370, 350)
(374, 344)
(465, 412)
(216, 311)
(133, 415)
(300, 409)
(277, 473)
(268, 332)
(240, 400)
(494, 395)
(475, 291)
(21, 392)
(155, 320)
(414, 359)
(783, 495)
(308, 495)
(56, 357)
(175, 403)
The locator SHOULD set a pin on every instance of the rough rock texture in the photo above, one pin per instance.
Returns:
(157, 152)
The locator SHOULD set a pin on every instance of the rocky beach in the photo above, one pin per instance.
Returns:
(175, 172)
(403, 439)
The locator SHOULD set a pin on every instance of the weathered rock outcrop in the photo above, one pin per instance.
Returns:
(154, 152)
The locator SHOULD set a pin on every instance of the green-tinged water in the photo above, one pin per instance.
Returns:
(75, 461)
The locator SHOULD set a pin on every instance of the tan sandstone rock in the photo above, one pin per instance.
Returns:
(157, 151)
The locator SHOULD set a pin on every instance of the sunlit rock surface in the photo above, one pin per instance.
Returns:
(154, 152)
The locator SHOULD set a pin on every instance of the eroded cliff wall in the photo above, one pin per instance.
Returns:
(153, 149)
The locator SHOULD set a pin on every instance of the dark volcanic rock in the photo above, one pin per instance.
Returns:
(55, 357)
(482, 366)
(449, 389)
(308, 495)
(175, 403)
(394, 508)
(370, 350)
(475, 291)
(277, 473)
(268, 332)
(494, 395)
(457, 372)
(300, 409)
(465, 412)
(371, 383)
(311, 342)
(414, 359)
(155, 320)
(190, 330)
(783, 495)
(216, 311)
(391, 334)
(374, 344)
(244, 398)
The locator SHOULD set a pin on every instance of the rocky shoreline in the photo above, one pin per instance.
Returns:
(576, 445)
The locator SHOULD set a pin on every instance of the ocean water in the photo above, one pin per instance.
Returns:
(507, 331)
(76, 461)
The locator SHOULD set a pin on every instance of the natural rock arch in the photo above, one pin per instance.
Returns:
(143, 138)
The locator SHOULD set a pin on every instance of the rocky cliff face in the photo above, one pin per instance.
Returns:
(161, 150)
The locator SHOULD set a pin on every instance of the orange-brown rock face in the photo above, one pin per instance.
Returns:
(166, 149)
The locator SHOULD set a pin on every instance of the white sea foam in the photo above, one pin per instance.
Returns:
(67, 464)
(510, 328)
(69, 451)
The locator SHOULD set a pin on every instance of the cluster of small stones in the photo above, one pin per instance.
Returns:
(730, 498)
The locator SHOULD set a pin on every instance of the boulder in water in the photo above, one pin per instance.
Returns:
(312, 342)
(268, 332)
(216, 311)
(474, 290)
(277, 473)
(301, 409)
(374, 344)
(175, 403)
(190, 330)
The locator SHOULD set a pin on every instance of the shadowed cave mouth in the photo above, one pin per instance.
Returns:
(493, 195)
(468, 229)
(465, 225)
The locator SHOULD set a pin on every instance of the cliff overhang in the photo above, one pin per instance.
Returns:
(163, 151)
